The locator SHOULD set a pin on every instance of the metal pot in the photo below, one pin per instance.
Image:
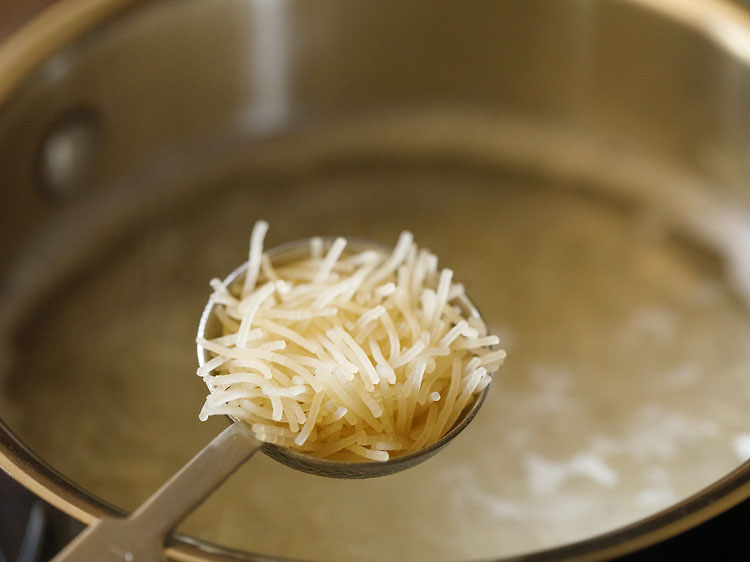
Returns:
(583, 165)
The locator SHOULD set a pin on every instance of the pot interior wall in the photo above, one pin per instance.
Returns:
(596, 245)
(626, 383)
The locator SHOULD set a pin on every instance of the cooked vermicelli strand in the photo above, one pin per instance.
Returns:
(346, 355)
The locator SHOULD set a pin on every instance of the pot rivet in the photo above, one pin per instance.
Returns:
(68, 154)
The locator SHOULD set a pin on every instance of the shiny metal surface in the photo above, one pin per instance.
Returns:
(141, 535)
(647, 99)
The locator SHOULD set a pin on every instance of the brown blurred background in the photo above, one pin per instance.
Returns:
(13, 13)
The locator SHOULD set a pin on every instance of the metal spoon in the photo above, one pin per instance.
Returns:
(140, 537)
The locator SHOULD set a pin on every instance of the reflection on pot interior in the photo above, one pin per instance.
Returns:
(625, 390)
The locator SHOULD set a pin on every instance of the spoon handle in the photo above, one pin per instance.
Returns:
(140, 537)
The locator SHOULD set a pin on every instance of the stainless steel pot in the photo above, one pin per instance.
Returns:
(130, 128)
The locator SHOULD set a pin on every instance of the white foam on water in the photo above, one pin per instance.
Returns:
(742, 446)
(546, 477)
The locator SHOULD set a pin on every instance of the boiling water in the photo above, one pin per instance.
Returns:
(625, 389)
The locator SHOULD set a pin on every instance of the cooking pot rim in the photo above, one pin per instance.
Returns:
(721, 22)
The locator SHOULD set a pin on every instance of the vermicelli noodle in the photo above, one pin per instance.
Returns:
(349, 356)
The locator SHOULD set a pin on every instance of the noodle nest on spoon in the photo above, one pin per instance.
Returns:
(346, 356)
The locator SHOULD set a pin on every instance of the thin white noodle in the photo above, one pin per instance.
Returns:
(299, 314)
(337, 355)
(210, 365)
(427, 430)
(267, 269)
(328, 262)
(291, 335)
(393, 340)
(381, 456)
(445, 412)
(394, 260)
(316, 247)
(441, 295)
(485, 341)
(278, 409)
(493, 357)
(385, 290)
(382, 362)
(427, 299)
(387, 446)
(290, 414)
(472, 381)
(312, 418)
(364, 360)
(408, 355)
(340, 444)
(254, 303)
(453, 333)
(254, 258)
(368, 317)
